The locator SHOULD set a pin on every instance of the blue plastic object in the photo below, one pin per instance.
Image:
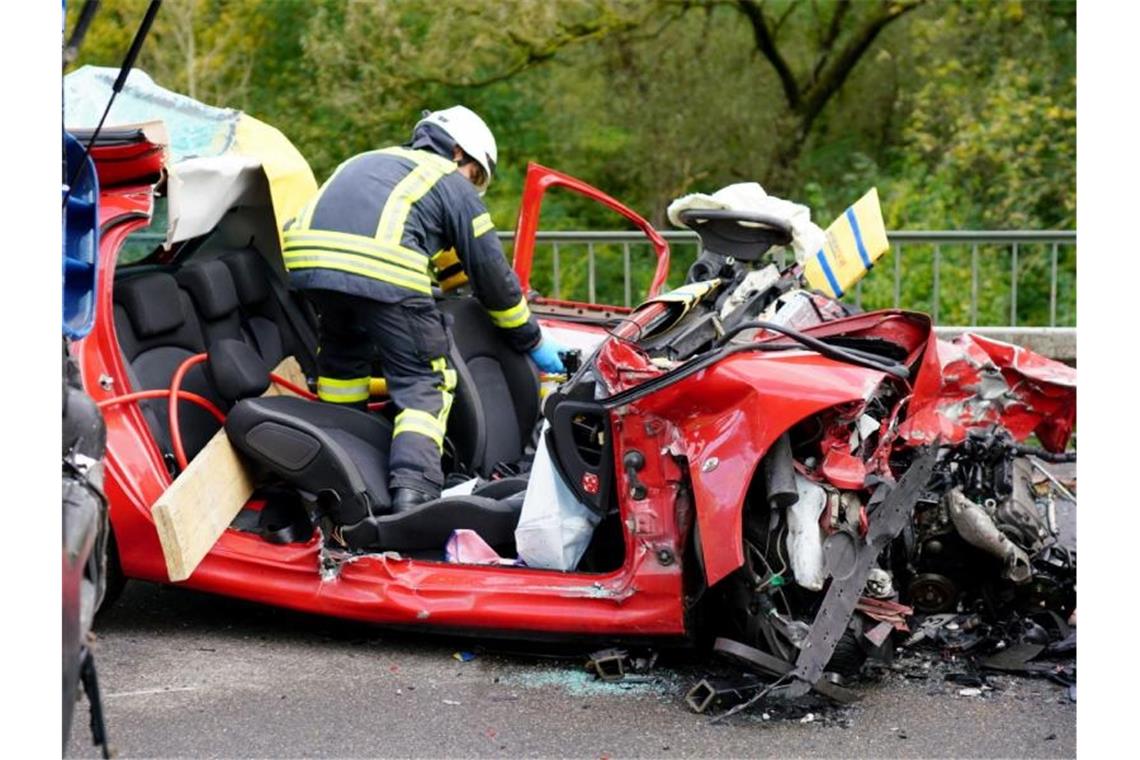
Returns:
(545, 355)
(80, 244)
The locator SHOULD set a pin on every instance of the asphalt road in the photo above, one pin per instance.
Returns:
(186, 674)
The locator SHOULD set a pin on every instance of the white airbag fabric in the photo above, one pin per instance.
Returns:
(807, 237)
(554, 528)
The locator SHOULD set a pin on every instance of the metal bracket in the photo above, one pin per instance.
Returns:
(849, 562)
(709, 691)
(608, 664)
(762, 662)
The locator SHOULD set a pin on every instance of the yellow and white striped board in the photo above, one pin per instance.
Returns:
(855, 241)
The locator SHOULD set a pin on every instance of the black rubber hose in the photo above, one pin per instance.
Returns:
(1048, 456)
(780, 474)
(832, 352)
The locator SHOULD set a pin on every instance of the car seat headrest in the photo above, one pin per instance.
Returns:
(236, 370)
(152, 303)
(249, 276)
(211, 286)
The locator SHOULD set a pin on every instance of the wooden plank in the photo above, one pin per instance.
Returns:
(193, 513)
(291, 371)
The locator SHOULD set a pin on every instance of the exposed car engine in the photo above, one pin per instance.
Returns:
(987, 529)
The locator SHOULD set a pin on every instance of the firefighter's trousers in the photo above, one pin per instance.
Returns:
(410, 341)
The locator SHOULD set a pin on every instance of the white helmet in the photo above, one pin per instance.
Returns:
(471, 133)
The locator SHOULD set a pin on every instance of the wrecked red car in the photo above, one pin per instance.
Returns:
(761, 464)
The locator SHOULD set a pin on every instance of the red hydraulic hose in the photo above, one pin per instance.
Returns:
(302, 392)
(175, 385)
(175, 390)
(201, 401)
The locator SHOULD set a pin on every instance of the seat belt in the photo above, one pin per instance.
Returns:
(302, 333)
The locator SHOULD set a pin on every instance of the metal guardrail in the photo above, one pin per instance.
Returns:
(1014, 244)
(685, 246)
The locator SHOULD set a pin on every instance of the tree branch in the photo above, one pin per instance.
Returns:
(784, 17)
(539, 51)
(834, 74)
(767, 45)
(828, 41)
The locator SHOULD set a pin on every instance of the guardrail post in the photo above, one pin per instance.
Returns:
(590, 271)
(1053, 288)
(898, 274)
(1013, 288)
(974, 284)
(557, 273)
(625, 269)
(934, 301)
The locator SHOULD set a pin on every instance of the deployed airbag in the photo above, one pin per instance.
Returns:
(554, 528)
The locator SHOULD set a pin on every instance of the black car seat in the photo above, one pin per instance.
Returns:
(496, 403)
(157, 330)
(261, 316)
(338, 458)
(212, 291)
(336, 455)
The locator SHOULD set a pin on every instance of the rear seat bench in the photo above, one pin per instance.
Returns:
(163, 318)
(157, 330)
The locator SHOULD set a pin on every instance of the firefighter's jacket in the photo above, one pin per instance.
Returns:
(385, 219)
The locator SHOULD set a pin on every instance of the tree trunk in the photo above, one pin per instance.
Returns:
(841, 45)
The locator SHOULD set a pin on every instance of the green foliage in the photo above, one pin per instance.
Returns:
(962, 113)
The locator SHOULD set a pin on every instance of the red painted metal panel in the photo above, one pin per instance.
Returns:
(539, 179)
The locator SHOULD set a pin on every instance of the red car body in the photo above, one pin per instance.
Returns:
(703, 437)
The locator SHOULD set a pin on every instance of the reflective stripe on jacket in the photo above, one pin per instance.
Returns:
(372, 227)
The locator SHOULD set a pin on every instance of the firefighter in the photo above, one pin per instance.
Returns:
(361, 250)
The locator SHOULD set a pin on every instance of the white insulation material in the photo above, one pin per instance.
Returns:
(805, 539)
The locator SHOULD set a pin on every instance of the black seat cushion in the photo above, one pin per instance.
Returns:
(338, 455)
(496, 402)
(212, 291)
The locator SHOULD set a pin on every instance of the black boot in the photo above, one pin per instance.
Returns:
(406, 499)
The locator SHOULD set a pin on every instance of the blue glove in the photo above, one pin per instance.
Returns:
(545, 355)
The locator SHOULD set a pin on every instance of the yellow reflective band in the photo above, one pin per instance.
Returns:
(399, 204)
(407, 191)
(415, 421)
(448, 398)
(341, 391)
(343, 241)
(443, 165)
(482, 224)
(516, 316)
(450, 378)
(355, 264)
